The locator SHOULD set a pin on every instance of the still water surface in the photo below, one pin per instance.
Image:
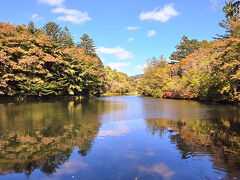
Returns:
(119, 138)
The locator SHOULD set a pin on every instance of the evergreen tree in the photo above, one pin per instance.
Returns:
(31, 27)
(231, 10)
(52, 30)
(60, 36)
(87, 44)
(65, 38)
(185, 48)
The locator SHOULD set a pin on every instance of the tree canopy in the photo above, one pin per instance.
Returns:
(61, 37)
(185, 48)
(232, 10)
(32, 64)
(52, 30)
(206, 71)
(88, 45)
(31, 27)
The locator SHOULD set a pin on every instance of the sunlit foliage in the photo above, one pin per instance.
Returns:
(117, 82)
(208, 71)
(33, 64)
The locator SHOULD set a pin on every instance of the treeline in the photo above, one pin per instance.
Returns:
(202, 70)
(118, 83)
(46, 62)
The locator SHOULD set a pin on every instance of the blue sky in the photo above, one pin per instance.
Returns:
(126, 32)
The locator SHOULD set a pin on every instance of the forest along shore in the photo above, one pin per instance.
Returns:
(47, 63)
(200, 70)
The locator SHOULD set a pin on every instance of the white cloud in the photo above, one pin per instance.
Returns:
(71, 167)
(72, 15)
(35, 17)
(131, 39)
(132, 28)
(52, 2)
(119, 52)
(158, 14)
(117, 131)
(160, 168)
(119, 66)
(102, 59)
(151, 33)
(141, 67)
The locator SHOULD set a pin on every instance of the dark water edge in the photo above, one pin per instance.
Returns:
(85, 98)
(119, 138)
(36, 98)
(209, 101)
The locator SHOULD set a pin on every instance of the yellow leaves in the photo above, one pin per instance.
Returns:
(36, 62)
(26, 139)
(236, 76)
(70, 91)
(225, 122)
(225, 89)
(210, 72)
(37, 80)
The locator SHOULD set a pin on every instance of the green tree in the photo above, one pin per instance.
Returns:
(52, 30)
(118, 82)
(185, 48)
(155, 78)
(60, 36)
(32, 65)
(88, 45)
(31, 27)
(65, 38)
(231, 10)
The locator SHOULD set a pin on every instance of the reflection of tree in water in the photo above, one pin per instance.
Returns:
(220, 138)
(48, 133)
(86, 148)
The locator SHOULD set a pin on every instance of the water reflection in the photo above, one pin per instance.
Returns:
(119, 138)
(43, 135)
(218, 138)
(118, 130)
(160, 169)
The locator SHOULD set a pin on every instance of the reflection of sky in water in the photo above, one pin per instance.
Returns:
(127, 146)
(117, 129)
(159, 168)
(124, 150)
(120, 109)
(134, 108)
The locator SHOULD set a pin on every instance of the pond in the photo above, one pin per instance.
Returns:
(126, 137)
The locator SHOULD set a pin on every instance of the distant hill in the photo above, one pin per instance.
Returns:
(136, 76)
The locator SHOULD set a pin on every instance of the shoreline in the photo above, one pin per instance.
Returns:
(82, 98)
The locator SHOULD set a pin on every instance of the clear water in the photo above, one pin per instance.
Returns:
(126, 137)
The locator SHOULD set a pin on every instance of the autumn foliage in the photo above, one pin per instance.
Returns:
(31, 64)
(210, 73)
